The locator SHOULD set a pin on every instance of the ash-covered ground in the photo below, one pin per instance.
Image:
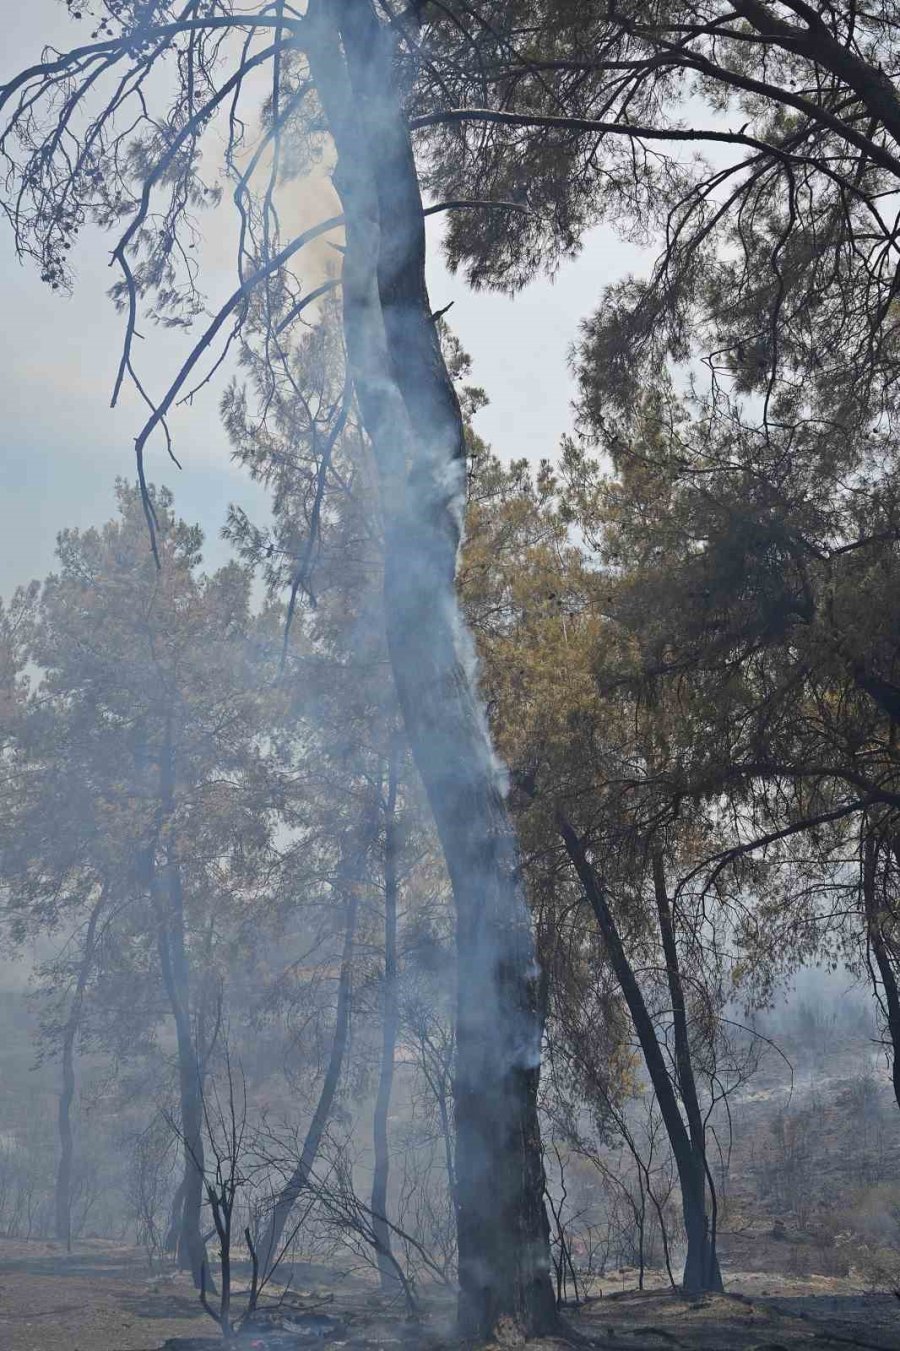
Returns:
(100, 1298)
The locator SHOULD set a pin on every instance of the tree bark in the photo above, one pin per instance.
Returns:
(63, 1196)
(270, 1247)
(411, 415)
(700, 1271)
(389, 1026)
(702, 1256)
(168, 901)
(191, 1250)
(173, 1228)
(881, 952)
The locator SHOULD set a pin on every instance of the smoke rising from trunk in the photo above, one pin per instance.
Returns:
(412, 417)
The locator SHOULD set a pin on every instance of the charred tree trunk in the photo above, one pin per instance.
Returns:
(270, 1247)
(412, 418)
(63, 1195)
(387, 1270)
(881, 951)
(700, 1271)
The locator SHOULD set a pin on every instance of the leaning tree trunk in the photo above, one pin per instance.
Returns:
(701, 1270)
(411, 415)
(270, 1247)
(702, 1258)
(63, 1195)
(387, 1269)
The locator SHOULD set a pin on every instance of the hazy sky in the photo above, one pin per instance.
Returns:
(63, 446)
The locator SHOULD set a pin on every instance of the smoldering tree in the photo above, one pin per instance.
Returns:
(556, 125)
(411, 416)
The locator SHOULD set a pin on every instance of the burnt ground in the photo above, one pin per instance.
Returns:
(101, 1298)
(805, 1315)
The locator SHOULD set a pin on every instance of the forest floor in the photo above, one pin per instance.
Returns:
(100, 1298)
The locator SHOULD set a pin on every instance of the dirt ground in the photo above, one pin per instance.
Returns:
(102, 1298)
(826, 1315)
(99, 1298)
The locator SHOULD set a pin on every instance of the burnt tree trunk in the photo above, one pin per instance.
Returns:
(412, 418)
(63, 1192)
(387, 1271)
(701, 1271)
(270, 1247)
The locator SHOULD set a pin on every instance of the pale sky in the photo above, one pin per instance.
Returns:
(63, 446)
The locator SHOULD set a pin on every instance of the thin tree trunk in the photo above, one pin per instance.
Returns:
(63, 1197)
(387, 1270)
(173, 1228)
(191, 1250)
(171, 943)
(270, 1247)
(881, 953)
(437, 1082)
(691, 1174)
(703, 1259)
(410, 412)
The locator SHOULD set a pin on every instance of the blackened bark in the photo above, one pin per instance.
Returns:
(387, 1270)
(63, 1196)
(881, 952)
(270, 1247)
(412, 418)
(701, 1270)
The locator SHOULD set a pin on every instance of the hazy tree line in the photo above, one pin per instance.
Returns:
(296, 814)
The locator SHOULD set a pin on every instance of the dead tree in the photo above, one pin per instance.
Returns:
(411, 416)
